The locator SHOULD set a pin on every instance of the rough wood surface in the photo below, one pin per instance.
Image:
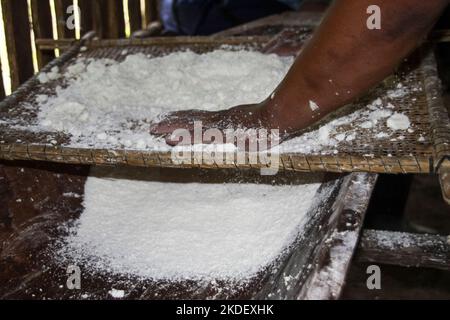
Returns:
(339, 240)
(17, 33)
(97, 7)
(440, 120)
(404, 249)
(444, 179)
(42, 26)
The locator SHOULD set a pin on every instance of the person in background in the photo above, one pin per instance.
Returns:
(342, 61)
(205, 17)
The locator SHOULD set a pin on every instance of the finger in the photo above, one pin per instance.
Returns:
(175, 140)
(178, 120)
(167, 127)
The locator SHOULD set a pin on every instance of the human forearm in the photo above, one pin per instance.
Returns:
(345, 59)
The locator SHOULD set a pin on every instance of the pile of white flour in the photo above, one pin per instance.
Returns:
(110, 104)
(192, 231)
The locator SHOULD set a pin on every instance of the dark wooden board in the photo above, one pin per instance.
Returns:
(30, 228)
(87, 16)
(112, 19)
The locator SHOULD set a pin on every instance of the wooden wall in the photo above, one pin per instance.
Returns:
(106, 17)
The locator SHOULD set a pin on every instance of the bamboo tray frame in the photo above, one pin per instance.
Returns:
(401, 157)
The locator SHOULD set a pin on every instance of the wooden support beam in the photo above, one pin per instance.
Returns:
(134, 12)
(18, 39)
(86, 16)
(51, 44)
(42, 26)
(61, 7)
(97, 16)
(113, 19)
(404, 249)
(339, 239)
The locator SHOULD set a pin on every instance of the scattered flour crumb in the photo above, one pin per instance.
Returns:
(399, 92)
(71, 195)
(340, 137)
(313, 106)
(382, 135)
(366, 125)
(49, 76)
(398, 121)
(117, 294)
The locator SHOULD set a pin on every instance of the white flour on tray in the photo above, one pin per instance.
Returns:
(107, 104)
(191, 231)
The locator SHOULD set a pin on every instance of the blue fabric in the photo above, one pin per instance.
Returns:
(294, 4)
(203, 17)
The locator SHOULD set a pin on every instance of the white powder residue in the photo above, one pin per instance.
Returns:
(332, 277)
(117, 294)
(49, 76)
(71, 195)
(398, 121)
(382, 135)
(366, 125)
(107, 103)
(313, 106)
(379, 114)
(392, 240)
(187, 231)
(399, 92)
(325, 139)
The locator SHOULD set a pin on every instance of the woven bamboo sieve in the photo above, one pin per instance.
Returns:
(364, 154)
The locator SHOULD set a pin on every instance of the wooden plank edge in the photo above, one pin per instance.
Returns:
(329, 273)
(404, 249)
